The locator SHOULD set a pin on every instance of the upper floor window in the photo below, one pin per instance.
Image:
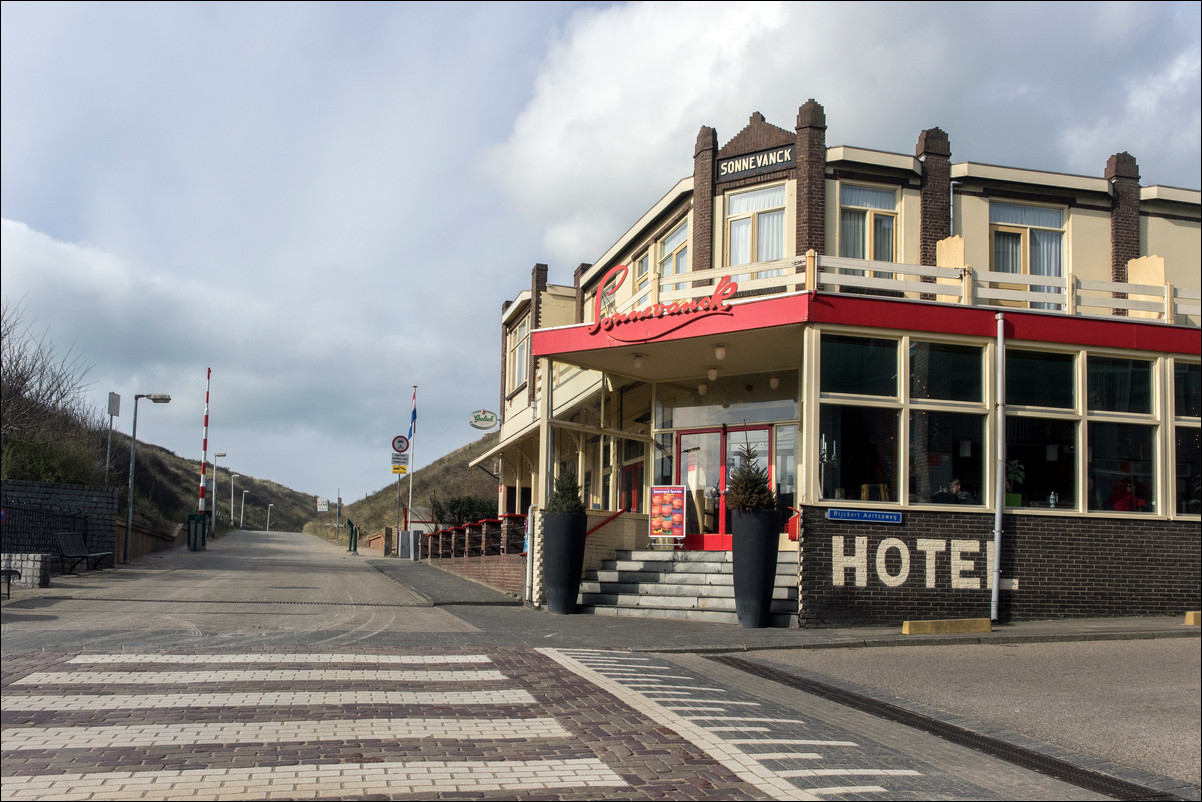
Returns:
(519, 354)
(1028, 240)
(867, 223)
(642, 280)
(755, 226)
(674, 255)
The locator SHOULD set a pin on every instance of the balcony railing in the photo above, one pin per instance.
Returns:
(1067, 294)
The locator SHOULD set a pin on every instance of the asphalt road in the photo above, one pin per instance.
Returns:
(1118, 698)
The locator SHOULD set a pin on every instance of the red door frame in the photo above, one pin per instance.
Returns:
(632, 478)
(720, 541)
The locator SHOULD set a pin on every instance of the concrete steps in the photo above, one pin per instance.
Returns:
(683, 585)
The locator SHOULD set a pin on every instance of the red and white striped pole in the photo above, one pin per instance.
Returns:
(204, 443)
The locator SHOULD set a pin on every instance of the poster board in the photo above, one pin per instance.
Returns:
(667, 511)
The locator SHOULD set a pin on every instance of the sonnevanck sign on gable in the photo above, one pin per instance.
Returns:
(755, 163)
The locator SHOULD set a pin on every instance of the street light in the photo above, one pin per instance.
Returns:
(158, 398)
(242, 511)
(269, 506)
(215, 456)
(233, 476)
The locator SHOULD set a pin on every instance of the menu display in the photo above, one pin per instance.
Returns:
(667, 511)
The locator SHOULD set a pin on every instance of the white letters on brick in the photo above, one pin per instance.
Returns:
(963, 556)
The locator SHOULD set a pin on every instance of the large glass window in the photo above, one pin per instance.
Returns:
(1187, 403)
(1121, 467)
(1187, 389)
(755, 228)
(1120, 385)
(1037, 379)
(858, 453)
(1041, 463)
(1188, 459)
(859, 365)
(1028, 240)
(947, 458)
(674, 256)
(945, 372)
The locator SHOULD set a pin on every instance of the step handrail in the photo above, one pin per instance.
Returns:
(606, 522)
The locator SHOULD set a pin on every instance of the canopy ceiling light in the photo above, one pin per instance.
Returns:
(701, 389)
(719, 352)
(712, 374)
(638, 361)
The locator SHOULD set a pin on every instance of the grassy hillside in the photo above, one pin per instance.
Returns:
(448, 476)
(166, 491)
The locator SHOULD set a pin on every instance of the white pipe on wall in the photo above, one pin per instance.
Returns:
(999, 484)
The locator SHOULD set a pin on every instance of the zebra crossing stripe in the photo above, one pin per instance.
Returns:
(302, 675)
(18, 739)
(278, 659)
(325, 779)
(79, 702)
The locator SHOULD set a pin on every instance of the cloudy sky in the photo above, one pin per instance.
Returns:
(327, 204)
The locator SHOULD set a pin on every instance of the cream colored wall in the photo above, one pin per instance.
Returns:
(973, 223)
(909, 244)
(629, 532)
(557, 310)
(1179, 243)
(1087, 234)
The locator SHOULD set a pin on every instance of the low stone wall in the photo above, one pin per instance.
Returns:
(94, 506)
(34, 568)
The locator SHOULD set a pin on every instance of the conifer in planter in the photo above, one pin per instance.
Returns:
(755, 539)
(564, 527)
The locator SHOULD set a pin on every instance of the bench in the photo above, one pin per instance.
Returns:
(71, 546)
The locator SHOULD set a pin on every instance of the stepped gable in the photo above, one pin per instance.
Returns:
(758, 135)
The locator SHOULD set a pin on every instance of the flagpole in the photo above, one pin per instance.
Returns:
(412, 461)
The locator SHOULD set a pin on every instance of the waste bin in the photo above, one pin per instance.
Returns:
(196, 531)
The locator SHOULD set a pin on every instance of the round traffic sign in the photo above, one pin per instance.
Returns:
(400, 444)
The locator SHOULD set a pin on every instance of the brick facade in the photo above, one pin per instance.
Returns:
(1123, 174)
(97, 506)
(811, 178)
(1063, 566)
(935, 224)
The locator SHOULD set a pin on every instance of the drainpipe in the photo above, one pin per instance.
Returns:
(999, 486)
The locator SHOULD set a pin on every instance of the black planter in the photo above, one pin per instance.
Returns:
(755, 541)
(563, 559)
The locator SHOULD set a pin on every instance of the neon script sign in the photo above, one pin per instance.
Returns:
(675, 314)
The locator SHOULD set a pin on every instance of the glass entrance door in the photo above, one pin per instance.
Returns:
(705, 459)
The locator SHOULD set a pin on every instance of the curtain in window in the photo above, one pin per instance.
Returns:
(1016, 215)
(770, 244)
(740, 241)
(869, 197)
(853, 243)
(1045, 261)
(1007, 252)
(758, 201)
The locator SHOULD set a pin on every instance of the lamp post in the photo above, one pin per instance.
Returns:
(269, 506)
(216, 454)
(158, 398)
(242, 511)
(233, 476)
